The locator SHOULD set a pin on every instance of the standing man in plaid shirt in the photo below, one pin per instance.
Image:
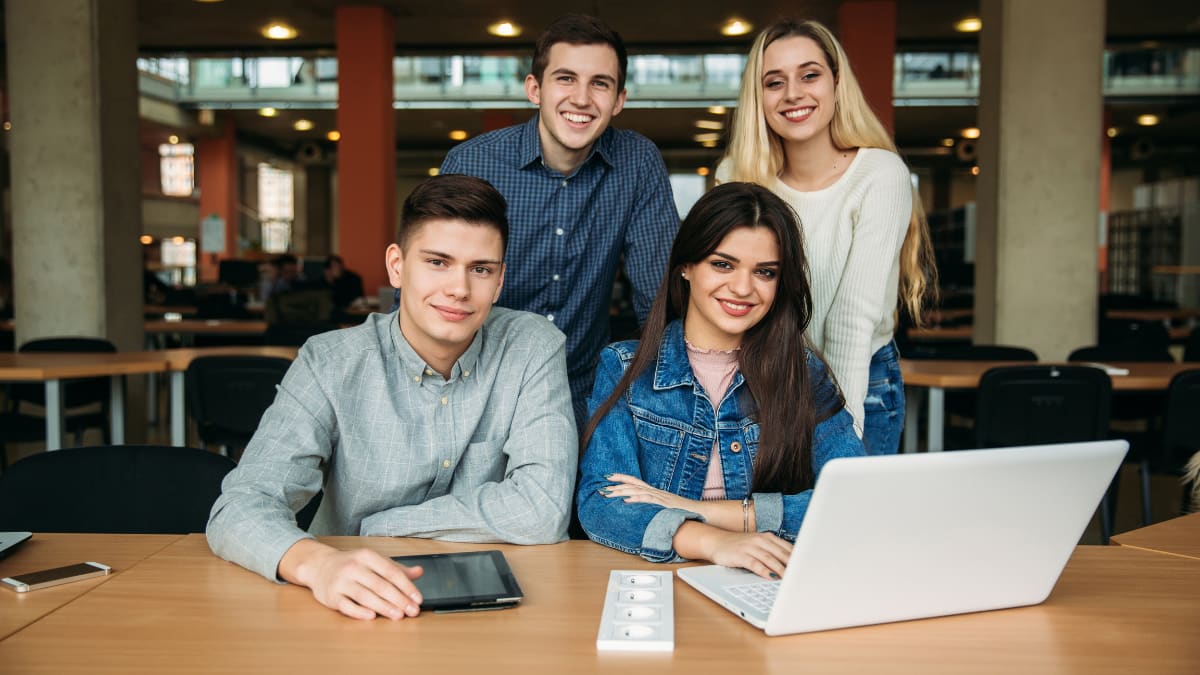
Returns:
(580, 194)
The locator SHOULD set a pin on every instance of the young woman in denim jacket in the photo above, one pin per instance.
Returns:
(705, 439)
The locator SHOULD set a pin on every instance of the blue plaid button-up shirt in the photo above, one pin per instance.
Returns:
(568, 232)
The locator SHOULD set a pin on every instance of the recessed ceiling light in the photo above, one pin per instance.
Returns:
(433, 171)
(975, 170)
(176, 240)
(146, 239)
(268, 112)
(504, 28)
(7, 126)
(971, 133)
(716, 109)
(458, 135)
(704, 138)
(173, 139)
(703, 171)
(278, 30)
(1147, 120)
(971, 25)
(948, 142)
(1112, 132)
(302, 125)
(735, 26)
(709, 144)
(713, 125)
(334, 135)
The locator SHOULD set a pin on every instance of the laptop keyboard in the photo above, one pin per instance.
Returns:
(759, 595)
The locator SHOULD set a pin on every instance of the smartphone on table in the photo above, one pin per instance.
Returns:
(23, 583)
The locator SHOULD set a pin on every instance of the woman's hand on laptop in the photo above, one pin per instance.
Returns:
(361, 584)
(759, 552)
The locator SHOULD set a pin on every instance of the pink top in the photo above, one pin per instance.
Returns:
(714, 371)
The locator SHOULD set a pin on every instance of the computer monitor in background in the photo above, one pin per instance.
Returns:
(238, 273)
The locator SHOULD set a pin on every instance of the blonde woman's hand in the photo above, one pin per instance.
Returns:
(762, 553)
(636, 491)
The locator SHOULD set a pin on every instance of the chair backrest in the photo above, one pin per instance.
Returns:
(227, 395)
(137, 489)
(1030, 405)
(1127, 352)
(1191, 349)
(303, 306)
(76, 393)
(960, 352)
(1149, 336)
(1181, 425)
(295, 334)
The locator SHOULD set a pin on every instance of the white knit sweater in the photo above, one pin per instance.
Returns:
(853, 231)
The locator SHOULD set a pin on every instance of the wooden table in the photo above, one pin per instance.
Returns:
(44, 551)
(940, 333)
(178, 361)
(1163, 314)
(937, 376)
(207, 326)
(1178, 537)
(51, 368)
(1115, 610)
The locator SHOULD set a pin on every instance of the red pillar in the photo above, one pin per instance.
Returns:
(497, 119)
(366, 163)
(217, 178)
(867, 31)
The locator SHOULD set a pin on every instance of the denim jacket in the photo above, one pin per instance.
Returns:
(662, 430)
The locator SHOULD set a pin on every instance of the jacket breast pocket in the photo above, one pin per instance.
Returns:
(658, 450)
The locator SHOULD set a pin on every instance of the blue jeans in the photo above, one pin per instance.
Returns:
(883, 408)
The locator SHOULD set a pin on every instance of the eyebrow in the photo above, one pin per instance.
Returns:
(567, 71)
(806, 64)
(447, 256)
(767, 263)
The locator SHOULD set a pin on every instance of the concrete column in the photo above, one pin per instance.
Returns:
(1040, 108)
(76, 202)
(867, 31)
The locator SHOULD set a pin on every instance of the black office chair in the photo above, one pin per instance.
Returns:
(1180, 439)
(75, 393)
(1191, 348)
(1033, 405)
(227, 395)
(125, 489)
(295, 334)
(1150, 337)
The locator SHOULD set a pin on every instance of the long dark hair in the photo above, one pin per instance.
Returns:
(773, 352)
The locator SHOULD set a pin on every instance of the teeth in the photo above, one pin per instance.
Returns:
(736, 308)
(577, 118)
(794, 114)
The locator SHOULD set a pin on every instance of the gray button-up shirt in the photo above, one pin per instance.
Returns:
(486, 455)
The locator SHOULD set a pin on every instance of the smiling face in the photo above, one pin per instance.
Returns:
(732, 289)
(798, 90)
(449, 275)
(577, 97)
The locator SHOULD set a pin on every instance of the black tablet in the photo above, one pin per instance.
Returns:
(463, 582)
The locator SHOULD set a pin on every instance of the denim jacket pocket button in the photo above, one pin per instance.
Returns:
(735, 446)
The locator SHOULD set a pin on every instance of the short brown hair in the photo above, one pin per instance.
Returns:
(579, 29)
(453, 197)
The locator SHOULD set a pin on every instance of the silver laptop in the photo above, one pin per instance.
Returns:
(9, 541)
(903, 537)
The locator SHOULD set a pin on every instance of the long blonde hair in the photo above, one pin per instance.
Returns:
(854, 125)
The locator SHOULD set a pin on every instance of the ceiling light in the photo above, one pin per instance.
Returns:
(146, 239)
(704, 138)
(975, 170)
(735, 27)
(7, 125)
(948, 142)
(334, 135)
(716, 109)
(971, 133)
(1147, 120)
(458, 135)
(703, 171)
(971, 25)
(1112, 132)
(713, 125)
(504, 28)
(302, 125)
(268, 112)
(709, 144)
(177, 240)
(278, 31)
(173, 139)
(433, 171)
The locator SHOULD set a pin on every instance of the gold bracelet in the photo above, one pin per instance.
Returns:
(746, 514)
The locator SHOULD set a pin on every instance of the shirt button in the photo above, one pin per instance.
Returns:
(555, 277)
(428, 371)
(466, 373)
(445, 400)
(564, 183)
(445, 464)
(550, 317)
(558, 231)
(735, 446)
(417, 378)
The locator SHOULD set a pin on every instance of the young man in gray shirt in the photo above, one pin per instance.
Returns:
(449, 419)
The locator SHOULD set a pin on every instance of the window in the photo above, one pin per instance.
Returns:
(275, 208)
(177, 169)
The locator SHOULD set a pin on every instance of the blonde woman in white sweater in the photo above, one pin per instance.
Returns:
(803, 129)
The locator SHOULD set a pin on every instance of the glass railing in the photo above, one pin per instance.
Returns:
(477, 80)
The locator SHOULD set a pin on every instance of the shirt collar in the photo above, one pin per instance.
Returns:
(531, 146)
(673, 368)
(414, 367)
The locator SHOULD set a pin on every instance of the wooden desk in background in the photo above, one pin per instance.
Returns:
(1115, 610)
(45, 551)
(938, 376)
(51, 368)
(178, 361)
(207, 326)
(1178, 536)
(1164, 314)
